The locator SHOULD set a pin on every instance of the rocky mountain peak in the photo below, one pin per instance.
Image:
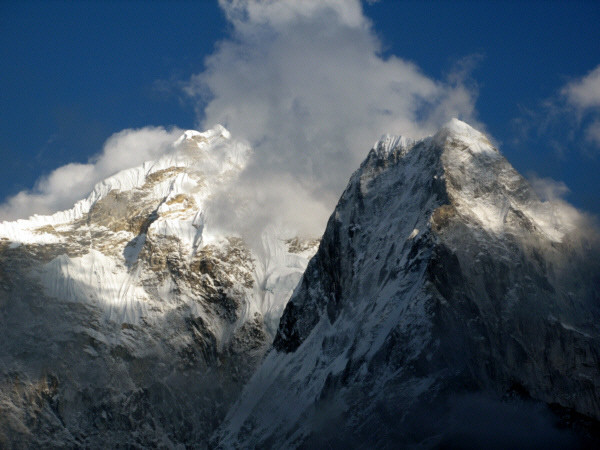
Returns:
(441, 274)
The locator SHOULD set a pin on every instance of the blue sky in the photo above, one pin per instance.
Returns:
(75, 73)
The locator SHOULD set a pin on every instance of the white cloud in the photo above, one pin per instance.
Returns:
(584, 93)
(305, 83)
(569, 119)
(593, 132)
(249, 207)
(64, 186)
(548, 189)
(562, 214)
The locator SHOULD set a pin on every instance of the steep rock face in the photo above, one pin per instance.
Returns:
(128, 320)
(441, 275)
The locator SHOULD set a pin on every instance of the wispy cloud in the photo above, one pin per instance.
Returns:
(65, 185)
(306, 85)
(568, 118)
(593, 132)
(581, 223)
(548, 189)
(584, 93)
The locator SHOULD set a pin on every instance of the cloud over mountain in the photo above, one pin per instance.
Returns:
(65, 185)
(584, 95)
(307, 85)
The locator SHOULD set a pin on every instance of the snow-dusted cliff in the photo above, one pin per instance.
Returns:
(130, 320)
(442, 284)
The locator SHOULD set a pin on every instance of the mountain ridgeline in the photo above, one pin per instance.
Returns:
(445, 305)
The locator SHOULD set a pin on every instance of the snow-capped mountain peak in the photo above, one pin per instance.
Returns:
(440, 274)
(215, 133)
(139, 284)
(196, 165)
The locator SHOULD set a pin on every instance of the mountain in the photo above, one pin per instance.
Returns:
(130, 320)
(446, 306)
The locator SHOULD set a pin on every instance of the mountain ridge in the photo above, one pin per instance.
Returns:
(442, 285)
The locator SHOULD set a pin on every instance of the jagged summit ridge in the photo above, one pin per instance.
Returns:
(453, 130)
(484, 186)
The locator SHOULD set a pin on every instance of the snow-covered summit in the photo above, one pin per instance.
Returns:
(454, 130)
(458, 131)
(217, 132)
(459, 128)
(481, 184)
(390, 142)
(162, 201)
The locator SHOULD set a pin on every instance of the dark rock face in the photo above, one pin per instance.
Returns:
(441, 283)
